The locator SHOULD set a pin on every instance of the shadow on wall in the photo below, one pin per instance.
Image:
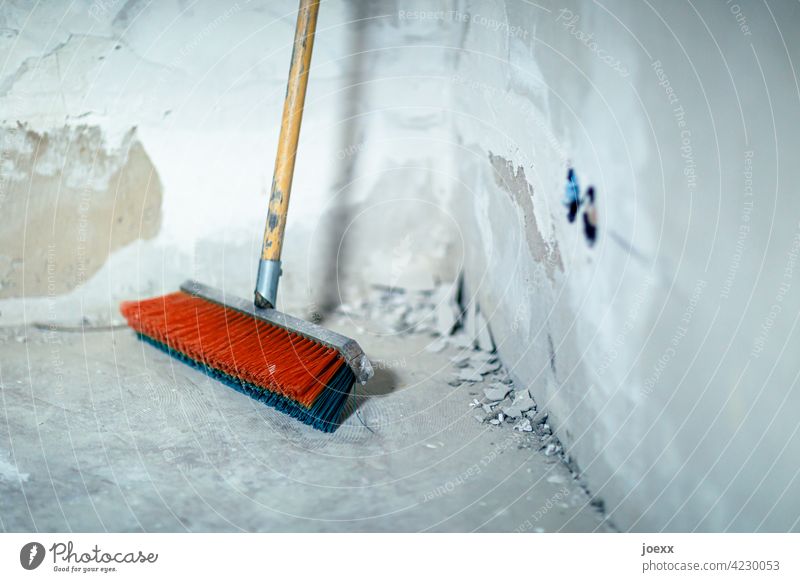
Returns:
(341, 211)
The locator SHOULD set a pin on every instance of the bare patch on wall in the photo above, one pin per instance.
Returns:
(517, 186)
(68, 200)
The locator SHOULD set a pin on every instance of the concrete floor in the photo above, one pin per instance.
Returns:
(99, 431)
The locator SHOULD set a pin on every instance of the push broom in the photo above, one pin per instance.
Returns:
(295, 366)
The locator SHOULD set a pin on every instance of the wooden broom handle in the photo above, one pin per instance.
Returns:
(290, 130)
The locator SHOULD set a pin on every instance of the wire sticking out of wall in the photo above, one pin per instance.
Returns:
(574, 202)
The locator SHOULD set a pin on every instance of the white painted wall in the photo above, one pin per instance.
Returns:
(674, 381)
(203, 85)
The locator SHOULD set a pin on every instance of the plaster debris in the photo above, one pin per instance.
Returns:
(438, 313)
(505, 404)
(496, 393)
(488, 368)
(461, 360)
(524, 426)
(483, 357)
(523, 402)
(519, 406)
(552, 449)
(404, 311)
(539, 418)
(470, 375)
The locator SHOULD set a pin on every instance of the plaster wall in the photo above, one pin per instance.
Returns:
(198, 90)
(665, 351)
(436, 141)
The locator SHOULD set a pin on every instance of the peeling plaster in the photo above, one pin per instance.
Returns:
(521, 192)
(69, 199)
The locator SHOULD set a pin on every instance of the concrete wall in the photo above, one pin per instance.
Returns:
(665, 353)
(196, 92)
(436, 140)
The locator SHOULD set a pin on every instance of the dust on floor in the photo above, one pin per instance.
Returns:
(100, 431)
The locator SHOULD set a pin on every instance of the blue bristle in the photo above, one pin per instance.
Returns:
(323, 415)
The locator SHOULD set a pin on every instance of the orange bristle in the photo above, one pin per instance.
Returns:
(236, 344)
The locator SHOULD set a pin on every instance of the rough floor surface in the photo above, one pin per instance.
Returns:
(99, 431)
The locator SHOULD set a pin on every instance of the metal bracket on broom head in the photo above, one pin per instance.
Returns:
(348, 348)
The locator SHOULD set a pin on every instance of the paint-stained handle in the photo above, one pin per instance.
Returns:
(290, 130)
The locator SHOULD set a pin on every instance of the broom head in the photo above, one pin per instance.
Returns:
(292, 365)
